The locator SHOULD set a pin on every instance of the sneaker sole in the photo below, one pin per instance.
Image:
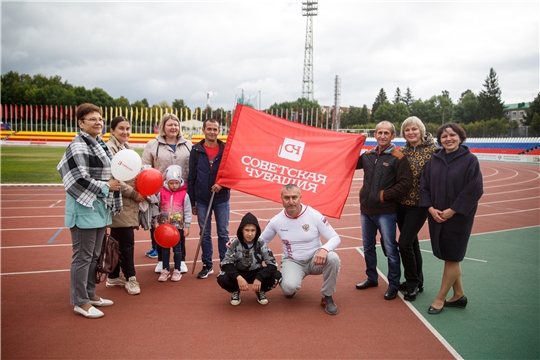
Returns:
(236, 304)
(114, 285)
(205, 276)
(164, 279)
(131, 292)
(264, 302)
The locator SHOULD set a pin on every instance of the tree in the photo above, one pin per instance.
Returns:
(364, 116)
(390, 112)
(535, 125)
(178, 104)
(164, 104)
(465, 111)
(408, 99)
(99, 97)
(397, 97)
(351, 117)
(121, 102)
(379, 100)
(533, 109)
(490, 105)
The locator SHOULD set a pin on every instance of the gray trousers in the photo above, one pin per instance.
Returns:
(294, 271)
(86, 245)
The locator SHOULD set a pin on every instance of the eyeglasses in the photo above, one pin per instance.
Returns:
(95, 120)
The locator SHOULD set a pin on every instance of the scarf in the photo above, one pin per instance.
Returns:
(85, 168)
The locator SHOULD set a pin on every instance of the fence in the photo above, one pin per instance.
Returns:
(54, 118)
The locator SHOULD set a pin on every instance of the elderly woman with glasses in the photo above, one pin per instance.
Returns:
(92, 197)
(168, 148)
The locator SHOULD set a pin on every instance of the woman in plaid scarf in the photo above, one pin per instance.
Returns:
(92, 197)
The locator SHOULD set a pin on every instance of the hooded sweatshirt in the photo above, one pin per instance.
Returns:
(243, 256)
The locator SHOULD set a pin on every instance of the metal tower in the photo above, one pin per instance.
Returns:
(337, 103)
(309, 9)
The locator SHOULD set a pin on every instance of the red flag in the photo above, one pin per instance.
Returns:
(46, 112)
(16, 111)
(321, 162)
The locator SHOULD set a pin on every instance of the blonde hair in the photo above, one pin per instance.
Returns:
(166, 117)
(413, 120)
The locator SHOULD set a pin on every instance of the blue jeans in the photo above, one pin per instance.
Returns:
(386, 224)
(221, 215)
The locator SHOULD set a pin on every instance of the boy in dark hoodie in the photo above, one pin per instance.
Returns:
(243, 263)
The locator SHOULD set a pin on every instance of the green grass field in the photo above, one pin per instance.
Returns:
(31, 164)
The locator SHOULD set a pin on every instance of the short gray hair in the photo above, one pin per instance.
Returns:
(386, 122)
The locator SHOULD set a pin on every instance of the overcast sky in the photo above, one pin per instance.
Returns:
(186, 49)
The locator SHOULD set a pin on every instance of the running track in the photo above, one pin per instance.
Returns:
(193, 318)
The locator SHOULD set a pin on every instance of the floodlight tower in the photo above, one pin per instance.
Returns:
(337, 102)
(309, 9)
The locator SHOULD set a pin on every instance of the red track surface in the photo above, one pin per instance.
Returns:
(193, 318)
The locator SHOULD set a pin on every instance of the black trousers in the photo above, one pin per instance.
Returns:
(270, 279)
(126, 246)
(410, 220)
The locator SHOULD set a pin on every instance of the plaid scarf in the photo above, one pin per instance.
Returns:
(85, 168)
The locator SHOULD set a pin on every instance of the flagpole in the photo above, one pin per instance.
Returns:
(202, 232)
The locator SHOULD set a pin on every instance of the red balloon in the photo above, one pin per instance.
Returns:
(167, 235)
(149, 181)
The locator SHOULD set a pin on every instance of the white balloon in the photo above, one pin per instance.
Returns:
(126, 164)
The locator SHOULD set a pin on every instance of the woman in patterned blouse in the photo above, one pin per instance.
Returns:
(419, 149)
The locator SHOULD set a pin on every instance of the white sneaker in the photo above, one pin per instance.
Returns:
(132, 286)
(159, 267)
(183, 267)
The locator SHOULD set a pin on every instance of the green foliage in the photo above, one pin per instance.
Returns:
(121, 102)
(532, 116)
(535, 125)
(487, 128)
(379, 100)
(465, 111)
(395, 113)
(408, 99)
(398, 97)
(490, 105)
(177, 104)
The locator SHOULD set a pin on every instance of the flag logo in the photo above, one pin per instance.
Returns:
(291, 149)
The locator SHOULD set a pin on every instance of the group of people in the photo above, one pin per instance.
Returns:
(407, 186)
(95, 201)
(401, 189)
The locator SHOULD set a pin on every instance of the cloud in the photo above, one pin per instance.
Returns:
(181, 50)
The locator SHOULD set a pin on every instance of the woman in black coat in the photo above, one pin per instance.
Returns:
(450, 188)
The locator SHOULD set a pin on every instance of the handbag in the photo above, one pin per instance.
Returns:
(108, 259)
